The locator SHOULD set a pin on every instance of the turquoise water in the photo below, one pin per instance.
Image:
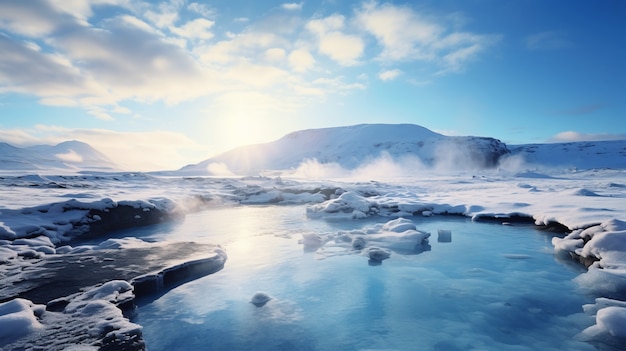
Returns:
(493, 287)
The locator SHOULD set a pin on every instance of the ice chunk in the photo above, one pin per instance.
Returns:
(444, 236)
(609, 321)
(613, 320)
(311, 241)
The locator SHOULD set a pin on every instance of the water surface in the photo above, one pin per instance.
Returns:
(493, 287)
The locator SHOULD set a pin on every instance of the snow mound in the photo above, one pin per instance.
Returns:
(610, 326)
(348, 205)
(64, 221)
(91, 319)
(19, 317)
(399, 235)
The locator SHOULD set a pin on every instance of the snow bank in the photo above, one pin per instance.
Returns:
(88, 320)
(348, 205)
(603, 249)
(610, 327)
(64, 221)
(18, 317)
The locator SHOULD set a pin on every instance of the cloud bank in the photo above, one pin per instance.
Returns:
(100, 55)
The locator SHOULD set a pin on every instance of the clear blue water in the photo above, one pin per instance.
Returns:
(493, 287)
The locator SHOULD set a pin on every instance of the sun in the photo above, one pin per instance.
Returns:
(246, 118)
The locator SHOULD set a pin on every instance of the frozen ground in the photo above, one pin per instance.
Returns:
(44, 215)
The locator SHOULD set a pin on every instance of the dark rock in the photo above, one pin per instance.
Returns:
(124, 217)
(260, 299)
(57, 276)
(377, 254)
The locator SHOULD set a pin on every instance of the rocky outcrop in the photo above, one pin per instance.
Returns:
(90, 295)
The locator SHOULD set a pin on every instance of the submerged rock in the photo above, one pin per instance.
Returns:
(358, 243)
(260, 299)
(377, 254)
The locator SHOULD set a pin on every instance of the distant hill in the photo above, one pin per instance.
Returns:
(66, 156)
(582, 155)
(353, 146)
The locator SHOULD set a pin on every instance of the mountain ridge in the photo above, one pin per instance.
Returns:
(351, 146)
(69, 155)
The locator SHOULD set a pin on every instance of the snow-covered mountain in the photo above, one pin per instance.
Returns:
(353, 146)
(66, 156)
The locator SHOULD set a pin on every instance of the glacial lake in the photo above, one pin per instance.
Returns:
(493, 287)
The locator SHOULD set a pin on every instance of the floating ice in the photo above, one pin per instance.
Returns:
(444, 236)
(311, 241)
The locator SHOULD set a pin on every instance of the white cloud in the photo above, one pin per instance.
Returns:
(343, 48)
(201, 9)
(403, 33)
(389, 74)
(165, 14)
(196, 29)
(99, 113)
(292, 6)
(572, 136)
(23, 18)
(301, 60)
(240, 47)
(338, 84)
(407, 35)
(142, 53)
(275, 54)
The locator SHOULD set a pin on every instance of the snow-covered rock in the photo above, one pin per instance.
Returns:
(90, 320)
(19, 317)
(397, 235)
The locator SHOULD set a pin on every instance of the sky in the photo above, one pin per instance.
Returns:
(158, 85)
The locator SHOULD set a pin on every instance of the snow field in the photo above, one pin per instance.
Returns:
(590, 203)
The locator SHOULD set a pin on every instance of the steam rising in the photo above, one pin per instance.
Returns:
(70, 156)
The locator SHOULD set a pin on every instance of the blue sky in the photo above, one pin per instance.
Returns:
(160, 84)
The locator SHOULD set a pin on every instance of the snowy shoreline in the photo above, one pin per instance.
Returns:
(589, 204)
